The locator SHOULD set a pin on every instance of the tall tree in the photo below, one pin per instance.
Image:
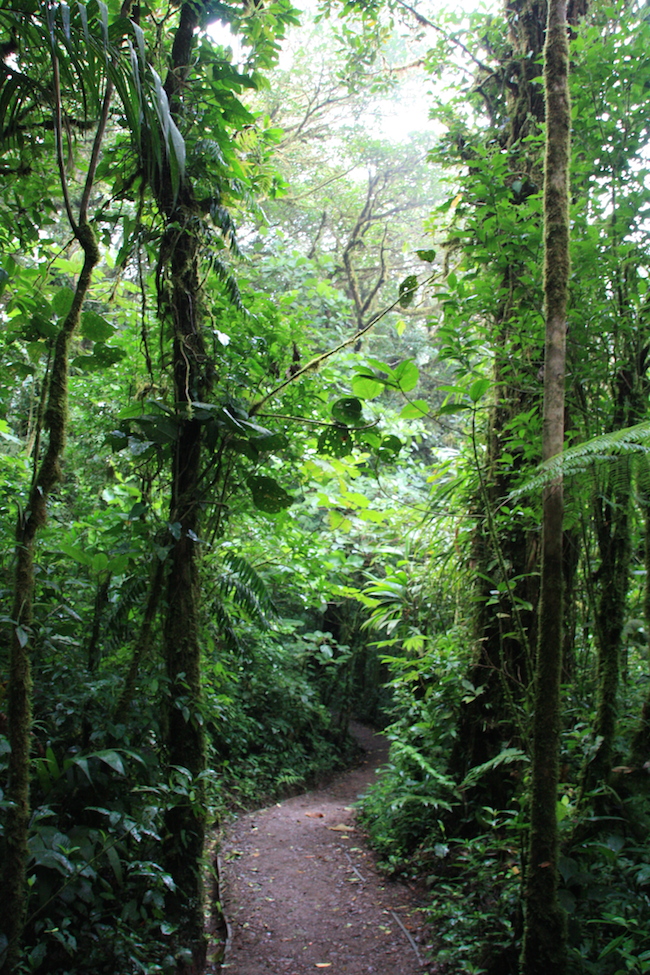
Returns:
(544, 948)
(53, 42)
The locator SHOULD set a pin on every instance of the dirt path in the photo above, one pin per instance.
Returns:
(301, 894)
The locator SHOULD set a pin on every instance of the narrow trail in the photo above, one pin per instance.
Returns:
(301, 894)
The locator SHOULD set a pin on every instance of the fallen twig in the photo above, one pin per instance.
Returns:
(411, 941)
(362, 879)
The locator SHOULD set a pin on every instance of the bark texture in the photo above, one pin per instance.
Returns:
(544, 947)
(505, 632)
(180, 307)
(19, 691)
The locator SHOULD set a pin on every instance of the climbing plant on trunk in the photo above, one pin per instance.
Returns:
(186, 252)
(55, 40)
(544, 935)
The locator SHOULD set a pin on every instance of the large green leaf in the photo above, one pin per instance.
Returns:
(335, 441)
(366, 385)
(268, 495)
(407, 375)
(95, 328)
(407, 290)
(348, 410)
(414, 410)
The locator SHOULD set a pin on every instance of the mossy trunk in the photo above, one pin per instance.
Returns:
(185, 820)
(571, 549)
(93, 650)
(640, 747)
(544, 948)
(504, 627)
(180, 306)
(145, 641)
(185, 745)
(615, 544)
(47, 473)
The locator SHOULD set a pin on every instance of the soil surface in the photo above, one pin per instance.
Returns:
(301, 894)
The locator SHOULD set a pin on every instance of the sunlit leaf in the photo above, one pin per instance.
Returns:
(366, 386)
(335, 441)
(407, 375)
(478, 388)
(417, 409)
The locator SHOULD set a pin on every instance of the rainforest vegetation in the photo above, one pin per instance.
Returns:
(304, 416)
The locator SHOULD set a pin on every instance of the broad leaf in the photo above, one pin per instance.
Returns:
(268, 495)
(407, 375)
(407, 290)
(348, 410)
(335, 441)
(415, 410)
(366, 385)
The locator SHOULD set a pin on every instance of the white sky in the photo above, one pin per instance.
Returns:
(391, 118)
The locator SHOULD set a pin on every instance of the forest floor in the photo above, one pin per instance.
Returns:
(301, 893)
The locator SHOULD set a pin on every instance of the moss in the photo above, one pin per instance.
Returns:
(20, 686)
(544, 947)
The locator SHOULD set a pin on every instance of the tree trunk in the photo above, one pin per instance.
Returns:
(638, 779)
(613, 529)
(544, 947)
(180, 307)
(145, 639)
(505, 631)
(19, 690)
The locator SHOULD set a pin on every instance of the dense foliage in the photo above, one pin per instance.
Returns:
(271, 421)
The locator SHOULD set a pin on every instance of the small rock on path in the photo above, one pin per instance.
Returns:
(301, 894)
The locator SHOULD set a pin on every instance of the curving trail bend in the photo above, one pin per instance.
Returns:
(301, 894)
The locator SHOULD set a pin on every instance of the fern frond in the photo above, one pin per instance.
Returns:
(428, 802)
(240, 584)
(576, 460)
(230, 285)
(505, 757)
(401, 749)
(225, 627)
(117, 626)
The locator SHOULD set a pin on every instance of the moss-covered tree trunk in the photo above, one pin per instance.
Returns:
(544, 949)
(504, 551)
(612, 506)
(180, 306)
(144, 641)
(612, 517)
(640, 747)
(47, 473)
(19, 691)
(184, 822)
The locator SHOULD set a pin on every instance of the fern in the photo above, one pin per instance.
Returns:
(402, 750)
(576, 460)
(239, 589)
(429, 802)
(117, 626)
(506, 757)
